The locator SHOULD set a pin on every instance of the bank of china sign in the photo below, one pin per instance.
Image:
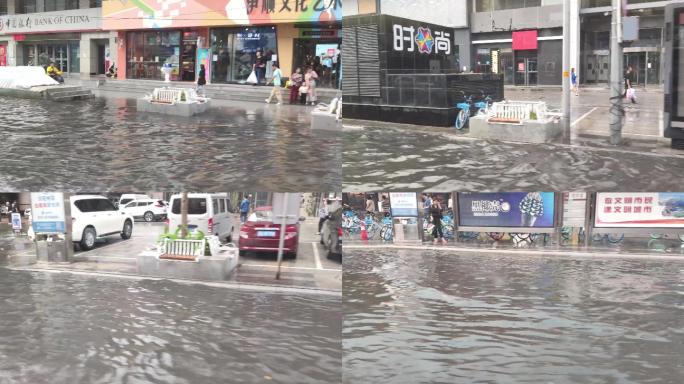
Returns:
(73, 20)
(421, 39)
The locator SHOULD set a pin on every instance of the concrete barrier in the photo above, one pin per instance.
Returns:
(527, 131)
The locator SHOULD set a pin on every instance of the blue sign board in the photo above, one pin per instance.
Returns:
(49, 227)
(507, 209)
(16, 221)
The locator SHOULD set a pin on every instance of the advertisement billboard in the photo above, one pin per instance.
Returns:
(639, 210)
(507, 209)
(47, 211)
(404, 204)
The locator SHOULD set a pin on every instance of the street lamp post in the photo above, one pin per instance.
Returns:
(616, 74)
(566, 67)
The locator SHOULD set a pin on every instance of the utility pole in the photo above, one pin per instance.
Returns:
(616, 74)
(184, 215)
(566, 67)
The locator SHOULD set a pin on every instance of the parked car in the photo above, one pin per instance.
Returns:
(331, 235)
(146, 209)
(207, 212)
(93, 217)
(260, 234)
(128, 197)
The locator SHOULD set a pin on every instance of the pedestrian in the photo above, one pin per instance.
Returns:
(437, 231)
(54, 73)
(296, 80)
(573, 81)
(370, 205)
(244, 208)
(323, 215)
(277, 80)
(259, 67)
(427, 203)
(201, 80)
(310, 83)
(385, 206)
(629, 93)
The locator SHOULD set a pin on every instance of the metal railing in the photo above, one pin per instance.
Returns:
(185, 250)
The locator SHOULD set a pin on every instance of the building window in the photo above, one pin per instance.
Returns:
(596, 3)
(3, 7)
(60, 5)
(26, 6)
(498, 5)
(95, 3)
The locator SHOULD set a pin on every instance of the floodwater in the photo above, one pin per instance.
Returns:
(243, 145)
(385, 158)
(63, 328)
(432, 317)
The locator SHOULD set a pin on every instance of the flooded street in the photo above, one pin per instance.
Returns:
(426, 316)
(400, 159)
(104, 144)
(64, 328)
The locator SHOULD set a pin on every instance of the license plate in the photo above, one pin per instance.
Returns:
(266, 233)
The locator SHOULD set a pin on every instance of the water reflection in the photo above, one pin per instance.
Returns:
(420, 317)
(105, 144)
(60, 328)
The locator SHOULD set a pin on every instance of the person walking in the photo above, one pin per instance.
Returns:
(296, 79)
(201, 80)
(370, 205)
(573, 81)
(244, 208)
(629, 93)
(310, 83)
(323, 216)
(427, 203)
(437, 230)
(277, 81)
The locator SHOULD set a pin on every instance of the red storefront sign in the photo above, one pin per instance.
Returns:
(3, 55)
(19, 37)
(523, 40)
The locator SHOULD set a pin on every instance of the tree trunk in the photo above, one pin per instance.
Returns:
(184, 215)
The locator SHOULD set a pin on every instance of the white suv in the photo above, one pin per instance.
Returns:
(95, 216)
(146, 209)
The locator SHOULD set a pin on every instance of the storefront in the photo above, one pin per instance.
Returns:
(70, 38)
(524, 58)
(226, 37)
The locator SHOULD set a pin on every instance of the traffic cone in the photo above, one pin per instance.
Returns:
(364, 234)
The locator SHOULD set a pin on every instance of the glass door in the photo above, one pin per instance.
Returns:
(526, 71)
(653, 68)
(189, 56)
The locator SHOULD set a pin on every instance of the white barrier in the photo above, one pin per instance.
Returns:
(187, 250)
(175, 96)
(24, 77)
(517, 111)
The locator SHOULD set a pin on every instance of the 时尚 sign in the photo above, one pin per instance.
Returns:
(421, 39)
(47, 211)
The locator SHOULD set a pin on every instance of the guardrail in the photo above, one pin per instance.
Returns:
(515, 112)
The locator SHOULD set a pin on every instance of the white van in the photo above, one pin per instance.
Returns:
(128, 197)
(211, 213)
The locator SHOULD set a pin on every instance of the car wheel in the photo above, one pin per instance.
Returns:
(148, 216)
(127, 230)
(292, 255)
(229, 238)
(88, 239)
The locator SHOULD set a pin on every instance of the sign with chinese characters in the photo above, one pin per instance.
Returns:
(16, 221)
(47, 212)
(422, 39)
(506, 209)
(524, 40)
(495, 60)
(639, 210)
(404, 204)
(125, 14)
(574, 209)
(69, 20)
(3, 55)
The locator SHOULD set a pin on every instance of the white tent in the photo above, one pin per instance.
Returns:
(24, 77)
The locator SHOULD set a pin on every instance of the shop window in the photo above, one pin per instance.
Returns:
(483, 62)
(235, 49)
(147, 52)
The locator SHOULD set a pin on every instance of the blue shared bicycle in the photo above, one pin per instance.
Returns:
(467, 107)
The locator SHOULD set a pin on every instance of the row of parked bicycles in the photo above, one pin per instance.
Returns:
(377, 226)
(470, 106)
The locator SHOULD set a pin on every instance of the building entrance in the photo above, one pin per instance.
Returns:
(526, 70)
(322, 55)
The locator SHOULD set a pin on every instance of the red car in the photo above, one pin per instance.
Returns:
(259, 234)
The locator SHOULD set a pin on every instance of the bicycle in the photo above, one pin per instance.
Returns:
(467, 107)
(386, 232)
(609, 237)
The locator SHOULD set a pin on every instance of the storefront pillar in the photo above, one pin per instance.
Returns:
(12, 52)
(286, 33)
(120, 50)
